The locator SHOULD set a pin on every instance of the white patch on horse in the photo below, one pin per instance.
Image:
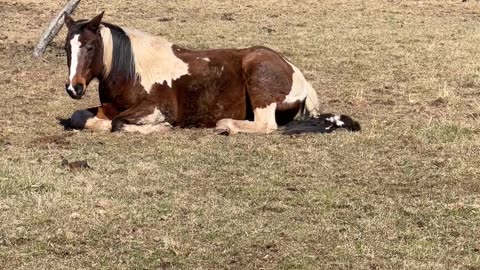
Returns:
(206, 59)
(107, 48)
(154, 118)
(75, 48)
(266, 116)
(302, 90)
(149, 128)
(298, 92)
(153, 122)
(336, 119)
(155, 61)
(96, 123)
(264, 122)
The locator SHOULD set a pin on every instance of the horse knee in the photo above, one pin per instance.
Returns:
(79, 119)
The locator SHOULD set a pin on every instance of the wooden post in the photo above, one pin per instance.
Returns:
(55, 26)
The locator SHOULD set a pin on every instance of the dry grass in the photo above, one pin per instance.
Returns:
(402, 194)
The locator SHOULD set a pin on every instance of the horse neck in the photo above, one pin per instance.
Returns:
(140, 55)
(118, 64)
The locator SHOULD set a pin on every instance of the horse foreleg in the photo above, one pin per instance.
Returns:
(93, 118)
(264, 122)
(144, 117)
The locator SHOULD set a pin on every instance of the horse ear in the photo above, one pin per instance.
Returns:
(94, 23)
(69, 21)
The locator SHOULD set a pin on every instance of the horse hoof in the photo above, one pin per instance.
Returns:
(222, 131)
(117, 125)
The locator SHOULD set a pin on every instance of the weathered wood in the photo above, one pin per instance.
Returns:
(54, 27)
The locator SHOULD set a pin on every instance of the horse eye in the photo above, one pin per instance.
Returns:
(89, 47)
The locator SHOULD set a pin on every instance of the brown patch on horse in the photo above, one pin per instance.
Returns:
(214, 89)
(107, 111)
(268, 77)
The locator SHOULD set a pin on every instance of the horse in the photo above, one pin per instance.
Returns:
(147, 84)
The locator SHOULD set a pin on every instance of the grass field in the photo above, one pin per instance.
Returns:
(402, 194)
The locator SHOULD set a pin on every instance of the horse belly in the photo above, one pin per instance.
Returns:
(230, 104)
(205, 104)
(214, 88)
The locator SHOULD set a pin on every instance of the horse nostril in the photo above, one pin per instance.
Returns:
(78, 89)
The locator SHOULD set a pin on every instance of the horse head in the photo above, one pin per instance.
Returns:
(84, 49)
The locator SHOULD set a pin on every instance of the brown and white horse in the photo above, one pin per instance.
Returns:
(149, 84)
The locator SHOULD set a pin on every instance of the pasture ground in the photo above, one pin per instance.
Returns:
(402, 194)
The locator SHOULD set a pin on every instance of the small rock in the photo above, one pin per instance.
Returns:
(165, 19)
(75, 215)
(4, 207)
(420, 224)
(79, 164)
(64, 162)
(270, 245)
(7, 146)
(227, 17)
(269, 30)
(102, 204)
(291, 188)
(455, 234)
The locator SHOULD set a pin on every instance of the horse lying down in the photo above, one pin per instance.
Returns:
(149, 84)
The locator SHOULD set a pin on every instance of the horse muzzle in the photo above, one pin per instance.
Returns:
(76, 91)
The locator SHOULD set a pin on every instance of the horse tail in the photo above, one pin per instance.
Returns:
(312, 105)
(323, 123)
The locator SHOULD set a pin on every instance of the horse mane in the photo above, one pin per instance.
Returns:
(118, 53)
